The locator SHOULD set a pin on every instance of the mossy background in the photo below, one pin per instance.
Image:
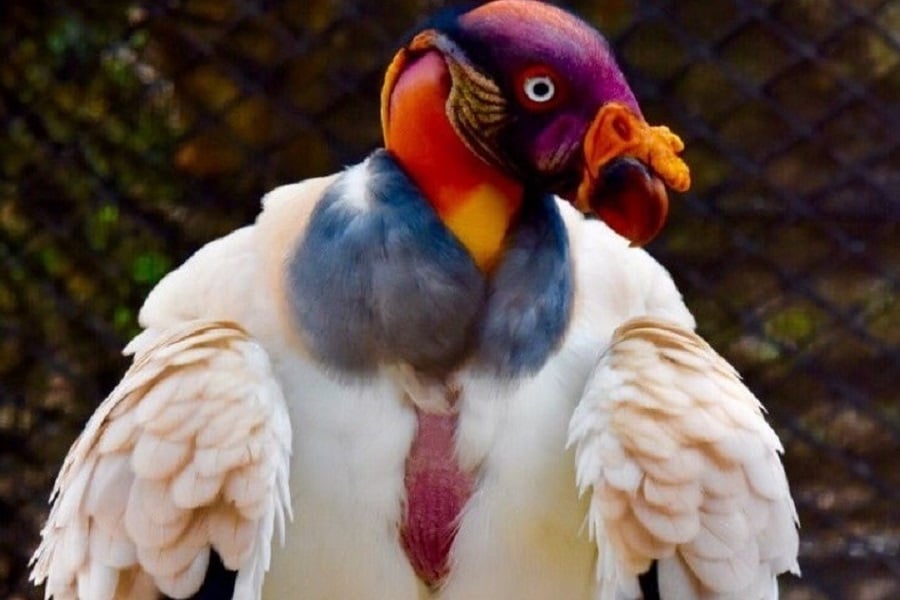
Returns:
(135, 132)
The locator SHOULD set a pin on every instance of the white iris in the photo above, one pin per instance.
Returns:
(539, 89)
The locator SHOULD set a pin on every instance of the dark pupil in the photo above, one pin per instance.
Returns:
(540, 89)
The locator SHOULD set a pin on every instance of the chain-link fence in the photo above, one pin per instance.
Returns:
(136, 132)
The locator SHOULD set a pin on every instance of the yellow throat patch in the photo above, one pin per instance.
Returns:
(480, 222)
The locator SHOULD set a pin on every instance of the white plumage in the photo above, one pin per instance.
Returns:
(192, 451)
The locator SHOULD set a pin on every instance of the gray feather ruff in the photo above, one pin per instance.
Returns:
(380, 280)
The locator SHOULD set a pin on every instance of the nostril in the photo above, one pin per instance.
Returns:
(622, 127)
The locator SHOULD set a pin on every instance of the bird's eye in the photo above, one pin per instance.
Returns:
(539, 89)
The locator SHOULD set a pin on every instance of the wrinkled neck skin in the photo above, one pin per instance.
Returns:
(474, 200)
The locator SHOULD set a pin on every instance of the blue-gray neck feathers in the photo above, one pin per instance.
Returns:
(378, 279)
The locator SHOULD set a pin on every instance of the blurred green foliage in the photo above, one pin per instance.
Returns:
(135, 132)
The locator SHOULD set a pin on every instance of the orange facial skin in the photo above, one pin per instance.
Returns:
(475, 200)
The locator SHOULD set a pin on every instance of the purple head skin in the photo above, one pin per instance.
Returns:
(535, 92)
(511, 39)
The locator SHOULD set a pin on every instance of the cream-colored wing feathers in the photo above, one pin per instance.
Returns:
(683, 469)
(190, 453)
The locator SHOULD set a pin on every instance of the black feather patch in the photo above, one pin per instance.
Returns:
(219, 582)
(650, 583)
(445, 20)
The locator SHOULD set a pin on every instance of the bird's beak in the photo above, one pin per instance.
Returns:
(627, 166)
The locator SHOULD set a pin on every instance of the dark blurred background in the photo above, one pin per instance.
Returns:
(135, 132)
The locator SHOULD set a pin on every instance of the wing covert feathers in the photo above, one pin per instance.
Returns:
(683, 469)
(188, 454)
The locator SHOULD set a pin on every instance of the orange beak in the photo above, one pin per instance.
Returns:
(627, 166)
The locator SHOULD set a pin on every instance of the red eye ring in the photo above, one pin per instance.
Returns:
(538, 88)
